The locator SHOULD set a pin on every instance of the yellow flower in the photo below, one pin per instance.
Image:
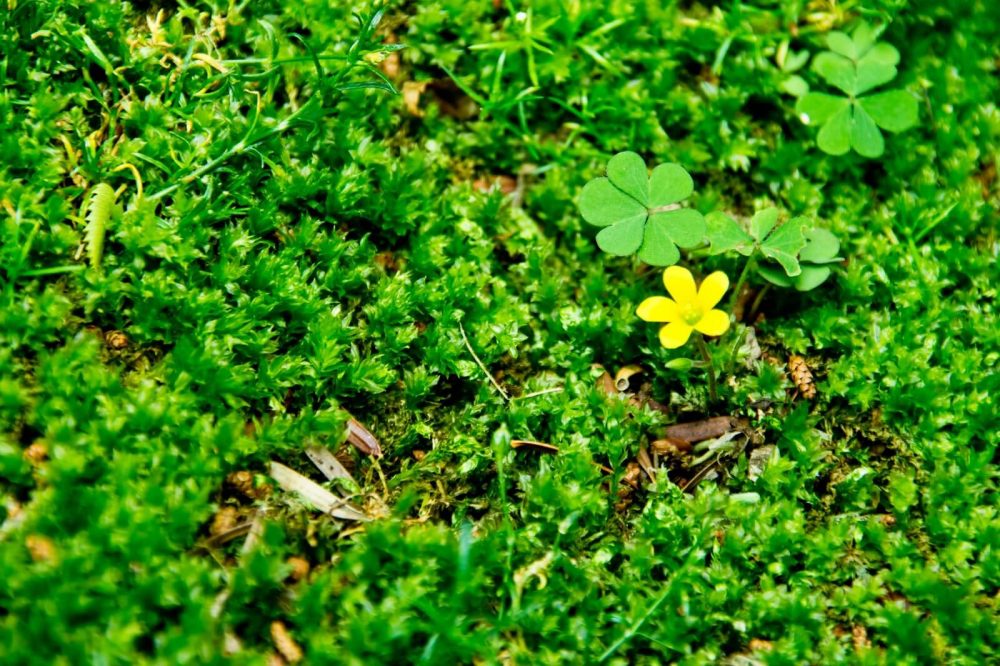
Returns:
(690, 309)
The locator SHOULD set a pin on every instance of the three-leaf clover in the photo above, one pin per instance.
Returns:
(780, 243)
(639, 211)
(820, 250)
(856, 65)
(796, 254)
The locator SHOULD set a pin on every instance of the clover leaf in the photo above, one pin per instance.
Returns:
(639, 211)
(855, 65)
(724, 234)
(821, 249)
(795, 254)
(782, 243)
(791, 62)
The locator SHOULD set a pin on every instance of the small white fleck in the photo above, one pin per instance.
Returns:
(804, 117)
(521, 16)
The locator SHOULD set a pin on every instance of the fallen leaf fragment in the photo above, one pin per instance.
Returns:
(412, 90)
(631, 476)
(300, 567)
(36, 453)
(625, 383)
(314, 494)
(362, 439)
(254, 533)
(669, 446)
(646, 463)
(759, 458)
(284, 643)
(390, 66)
(41, 548)
(642, 399)
(859, 636)
(231, 644)
(387, 261)
(506, 184)
(328, 464)
(604, 382)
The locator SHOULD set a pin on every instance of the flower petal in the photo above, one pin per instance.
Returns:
(715, 322)
(680, 284)
(675, 334)
(712, 288)
(658, 308)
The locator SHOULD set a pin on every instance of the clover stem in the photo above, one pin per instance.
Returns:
(742, 280)
(705, 354)
(757, 301)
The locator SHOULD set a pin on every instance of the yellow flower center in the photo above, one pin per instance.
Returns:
(691, 313)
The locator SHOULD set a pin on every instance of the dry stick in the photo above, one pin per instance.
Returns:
(701, 474)
(555, 389)
(545, 446)
(227, 536)
(482, 367)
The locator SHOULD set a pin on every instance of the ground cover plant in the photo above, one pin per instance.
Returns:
(320, 344)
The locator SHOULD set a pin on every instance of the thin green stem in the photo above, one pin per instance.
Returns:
(501, 446)
(281, 61)
(638, 624)
(241, 146)
(742, 280)
(731, 366)
(705, 354)
(751, 261)
(248, 143)
(760, 298)
(53, 270)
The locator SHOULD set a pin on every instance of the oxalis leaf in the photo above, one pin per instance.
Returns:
(856, 65)
(638, 213)
(783, 245)
(779, 242)
(795, 254)
(821, 248)
(725, 234)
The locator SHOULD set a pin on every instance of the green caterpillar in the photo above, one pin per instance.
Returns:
(100, 208)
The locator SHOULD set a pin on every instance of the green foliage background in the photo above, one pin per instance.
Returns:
(328, 263)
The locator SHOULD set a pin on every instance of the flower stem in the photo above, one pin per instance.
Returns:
(742, 280)
(712, 393)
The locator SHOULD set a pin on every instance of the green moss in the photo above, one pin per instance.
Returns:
(305, 247)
